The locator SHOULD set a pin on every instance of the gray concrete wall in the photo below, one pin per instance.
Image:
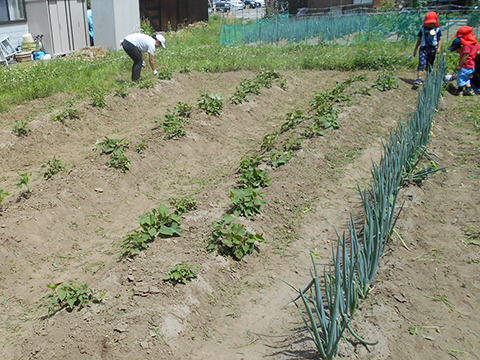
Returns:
(113, 20)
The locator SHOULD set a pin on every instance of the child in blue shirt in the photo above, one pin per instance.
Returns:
(429, 41)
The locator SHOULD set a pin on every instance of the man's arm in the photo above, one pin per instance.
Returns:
(152, 63)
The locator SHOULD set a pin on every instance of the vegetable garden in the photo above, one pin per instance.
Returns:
(171, 219)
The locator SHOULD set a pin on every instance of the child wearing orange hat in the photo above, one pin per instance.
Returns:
(466, 44)
(430, 43)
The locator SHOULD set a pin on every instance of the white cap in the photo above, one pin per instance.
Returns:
(161, 38)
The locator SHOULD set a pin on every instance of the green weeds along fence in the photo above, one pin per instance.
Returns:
(330, 304)
(326, 28)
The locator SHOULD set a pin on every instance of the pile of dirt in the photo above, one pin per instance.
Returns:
(68, 228)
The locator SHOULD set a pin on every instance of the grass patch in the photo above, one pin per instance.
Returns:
(199, 47)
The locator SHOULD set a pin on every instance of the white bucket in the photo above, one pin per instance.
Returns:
(27, 38)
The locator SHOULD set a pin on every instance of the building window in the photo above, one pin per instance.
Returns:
(12, 10)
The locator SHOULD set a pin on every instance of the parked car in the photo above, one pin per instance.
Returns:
(222, 6)
(237, 4)
(252, 4)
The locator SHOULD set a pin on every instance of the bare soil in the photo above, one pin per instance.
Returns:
(425, 300)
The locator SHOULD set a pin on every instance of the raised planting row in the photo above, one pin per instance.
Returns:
(229, 236)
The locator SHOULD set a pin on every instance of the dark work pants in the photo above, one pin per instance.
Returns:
(426, 56)
(137, 58)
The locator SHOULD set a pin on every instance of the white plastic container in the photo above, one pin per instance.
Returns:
(27, 38)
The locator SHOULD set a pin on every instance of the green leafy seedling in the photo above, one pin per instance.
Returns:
(3, 195)
(181, 272)
(211, 103)
(184, 204)
(280, 158)
(67, 114)
(70, 296)
(21, 128)
(135, 242)
(247, 202)
(385, 81)
(54, 167)
(231, 238)
(173, 126)
(183, 109)
(119, 161)
(141, 147)
(24, 181)
(98, 98)
(160, 222)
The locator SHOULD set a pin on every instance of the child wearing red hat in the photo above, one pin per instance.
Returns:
(466, 44)
(430, 43)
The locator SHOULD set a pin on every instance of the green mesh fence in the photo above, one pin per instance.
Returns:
(351, 27)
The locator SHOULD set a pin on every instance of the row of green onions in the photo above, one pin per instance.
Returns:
(330, 301)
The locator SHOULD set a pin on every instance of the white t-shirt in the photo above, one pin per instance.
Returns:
(144, 43)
